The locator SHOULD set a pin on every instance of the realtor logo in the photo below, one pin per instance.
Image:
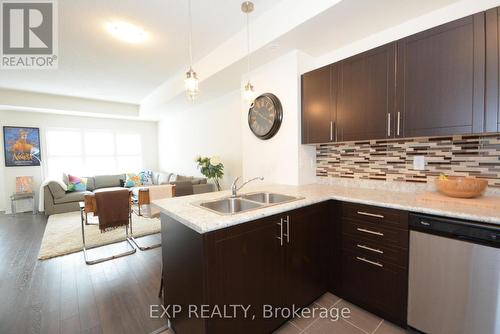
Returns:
(29, 34)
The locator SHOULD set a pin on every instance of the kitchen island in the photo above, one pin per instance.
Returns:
(285, 256)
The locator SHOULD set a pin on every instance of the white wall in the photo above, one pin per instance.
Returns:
(281, 159)
(147, 130)
(432, 19)
(210, 129)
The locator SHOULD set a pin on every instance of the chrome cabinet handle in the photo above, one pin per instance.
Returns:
(378, 264)
(331, 130)
(280, 238)
(398, 126)
(388, 124)
(425, 223)
(363, 213)
(287, 235)
(368, 231)
(370, 249)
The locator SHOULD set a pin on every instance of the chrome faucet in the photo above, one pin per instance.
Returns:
(235, 188)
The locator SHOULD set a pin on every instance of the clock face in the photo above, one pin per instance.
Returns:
(265, 115)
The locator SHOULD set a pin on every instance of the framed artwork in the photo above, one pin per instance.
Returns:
(21, 146)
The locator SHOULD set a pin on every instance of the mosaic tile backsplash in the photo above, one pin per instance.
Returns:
(392, 159)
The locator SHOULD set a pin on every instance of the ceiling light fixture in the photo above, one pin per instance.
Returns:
(191, 82)
(126, 32)
(248, 93)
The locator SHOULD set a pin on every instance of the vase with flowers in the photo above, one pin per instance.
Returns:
(212, 168)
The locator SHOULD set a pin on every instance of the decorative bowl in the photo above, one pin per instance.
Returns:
(460, 186)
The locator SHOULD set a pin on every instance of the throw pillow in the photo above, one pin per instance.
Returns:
(133, 180)
(164, 178)
(76, 183)
(146, 177)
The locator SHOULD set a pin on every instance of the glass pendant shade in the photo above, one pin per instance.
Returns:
(191, 84)
(248, 93)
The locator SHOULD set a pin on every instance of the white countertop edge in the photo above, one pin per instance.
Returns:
(251, 215)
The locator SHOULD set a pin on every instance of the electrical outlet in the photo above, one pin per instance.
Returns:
(419, 162)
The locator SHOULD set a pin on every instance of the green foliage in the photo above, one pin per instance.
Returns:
(212, 168)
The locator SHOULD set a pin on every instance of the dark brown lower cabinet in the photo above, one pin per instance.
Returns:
(374, 266)
(379, 289)
(335, 259)
(357, 252)
(278, 261)
(307, 254)
(246, 267)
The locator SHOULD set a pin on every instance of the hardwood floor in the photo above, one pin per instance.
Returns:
(64, 295)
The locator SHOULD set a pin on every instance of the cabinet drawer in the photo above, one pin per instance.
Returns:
(380, 289)
(377, 234)
(375, 215)
(381, 253)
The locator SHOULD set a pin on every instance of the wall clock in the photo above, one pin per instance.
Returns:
(265, 116)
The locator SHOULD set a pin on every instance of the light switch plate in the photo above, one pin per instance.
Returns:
(419, 162)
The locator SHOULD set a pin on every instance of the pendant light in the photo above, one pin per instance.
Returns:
(248, 93)
(191, 82)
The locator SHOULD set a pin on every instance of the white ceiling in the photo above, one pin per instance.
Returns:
(92, 64)
(338, 26)
(352, 20)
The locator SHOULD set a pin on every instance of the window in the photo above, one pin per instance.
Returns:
(92, 152)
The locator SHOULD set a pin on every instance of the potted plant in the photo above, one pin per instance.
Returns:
(212, 168)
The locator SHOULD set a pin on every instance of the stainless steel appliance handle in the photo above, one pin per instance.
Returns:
(363, 213)
(378, 264)
(331, 130)
(370, 249)
(280, 238)
(369, 231)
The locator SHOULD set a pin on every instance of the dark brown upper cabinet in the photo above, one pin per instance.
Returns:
(492, 114)
(441, 79)
(366, 95)
(318, 105)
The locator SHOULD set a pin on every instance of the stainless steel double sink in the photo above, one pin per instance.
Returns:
(246, 202)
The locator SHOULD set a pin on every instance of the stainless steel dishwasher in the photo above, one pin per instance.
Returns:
(454, 276)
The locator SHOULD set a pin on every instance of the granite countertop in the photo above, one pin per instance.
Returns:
(202, 220)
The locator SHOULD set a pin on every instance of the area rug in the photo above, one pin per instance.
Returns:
(63, 234)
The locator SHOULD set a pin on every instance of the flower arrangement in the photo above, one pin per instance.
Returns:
(212, 168)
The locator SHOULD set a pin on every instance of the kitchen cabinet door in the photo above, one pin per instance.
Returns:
(335, 238)
(318, 105)
(247, 268)
(440, 79)
(376, 286)
(307, 253)
(366, 95)
(492, 110)
(374, 269)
